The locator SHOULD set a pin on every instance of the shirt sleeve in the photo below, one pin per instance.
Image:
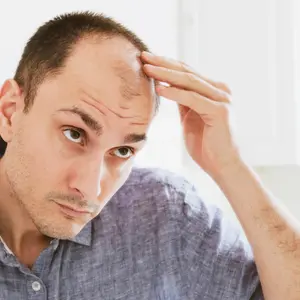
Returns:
(219, 260)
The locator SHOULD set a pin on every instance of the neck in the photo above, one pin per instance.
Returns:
(16, 227)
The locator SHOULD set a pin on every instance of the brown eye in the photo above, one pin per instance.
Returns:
(73, 135)
(123, 152)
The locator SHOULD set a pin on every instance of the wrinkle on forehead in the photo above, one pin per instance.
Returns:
(132, 79)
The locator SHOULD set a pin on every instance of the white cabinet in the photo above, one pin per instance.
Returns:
(252, 46)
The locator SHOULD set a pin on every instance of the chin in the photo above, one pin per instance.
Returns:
(59, 234)
(59, 229)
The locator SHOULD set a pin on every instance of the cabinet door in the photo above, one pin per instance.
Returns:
(250, 45)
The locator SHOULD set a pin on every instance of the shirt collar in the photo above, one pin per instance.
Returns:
(5, 246)
(84, 237)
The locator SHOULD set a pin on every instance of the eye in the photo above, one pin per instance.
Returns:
(74, 135)
(123, 152)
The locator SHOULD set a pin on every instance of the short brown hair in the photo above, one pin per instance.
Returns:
(46, 51)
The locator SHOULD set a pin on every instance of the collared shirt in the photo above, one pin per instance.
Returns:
(155, 239)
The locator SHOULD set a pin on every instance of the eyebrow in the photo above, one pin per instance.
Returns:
(95, 126)
(135, 138)
(86, 118)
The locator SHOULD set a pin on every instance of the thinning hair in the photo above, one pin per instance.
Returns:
(47, 51)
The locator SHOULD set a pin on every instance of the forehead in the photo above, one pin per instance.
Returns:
(104, 79)
(111, 68)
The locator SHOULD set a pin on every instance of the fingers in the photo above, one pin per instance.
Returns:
(168, 63)
(187, 88)
(172, 64)
(200, 104)
(187, 81)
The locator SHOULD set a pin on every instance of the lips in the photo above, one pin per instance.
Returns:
(72, 211)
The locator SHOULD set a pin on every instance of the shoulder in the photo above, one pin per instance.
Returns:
(165, 211)
(156, 195)
(150, 196)
(149, 190)
(141, 177)
(165, 188)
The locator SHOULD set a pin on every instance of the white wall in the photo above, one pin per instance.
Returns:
(282, 181)
(19, 20)
(254, 47)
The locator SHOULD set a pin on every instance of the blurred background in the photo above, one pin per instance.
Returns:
(253, 46)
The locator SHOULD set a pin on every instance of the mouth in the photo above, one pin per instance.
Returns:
(72, 211)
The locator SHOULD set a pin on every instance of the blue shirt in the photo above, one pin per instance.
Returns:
(155, 239)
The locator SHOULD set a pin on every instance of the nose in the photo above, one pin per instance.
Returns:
(87, 176)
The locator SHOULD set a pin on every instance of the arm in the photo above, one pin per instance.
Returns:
(204, 107)
(271, 231)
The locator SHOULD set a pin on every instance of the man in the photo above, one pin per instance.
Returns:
(73, 119)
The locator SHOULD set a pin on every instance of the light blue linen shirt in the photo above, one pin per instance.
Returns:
(155, 239)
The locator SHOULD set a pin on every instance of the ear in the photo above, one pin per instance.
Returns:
(10, 103)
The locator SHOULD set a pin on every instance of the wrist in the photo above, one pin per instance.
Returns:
(233, 168)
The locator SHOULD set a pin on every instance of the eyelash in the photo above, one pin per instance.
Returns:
(85, 138)
(132, 150)
(80, 131)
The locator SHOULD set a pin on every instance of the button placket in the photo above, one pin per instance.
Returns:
(36, 286)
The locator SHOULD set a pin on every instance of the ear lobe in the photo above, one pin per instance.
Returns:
(9, 98)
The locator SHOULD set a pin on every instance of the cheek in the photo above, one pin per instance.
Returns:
(41, 170)
(25, 169)
(34, 157)
(43, 164)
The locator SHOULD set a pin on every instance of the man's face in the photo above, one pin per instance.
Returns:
(75, 146)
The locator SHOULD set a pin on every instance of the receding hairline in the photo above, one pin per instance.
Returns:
(94, 38)
(120, 67)
(47, 52)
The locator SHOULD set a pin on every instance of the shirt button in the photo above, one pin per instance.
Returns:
(36, 286)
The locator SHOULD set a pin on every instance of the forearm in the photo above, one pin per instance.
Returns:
(273, 233)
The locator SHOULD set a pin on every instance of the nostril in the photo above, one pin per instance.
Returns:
(77, 192)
